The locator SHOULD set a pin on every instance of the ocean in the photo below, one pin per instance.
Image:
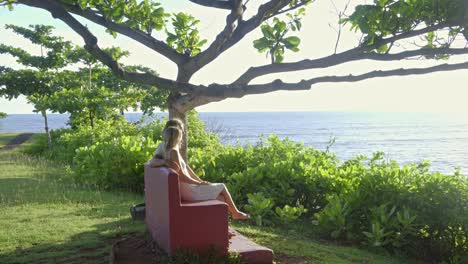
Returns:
(404, 137)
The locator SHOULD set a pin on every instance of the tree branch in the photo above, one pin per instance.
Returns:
(91, 45)
(215, 93)
(340, 58)
(230, 35)
(355, 54)
(279, 12)
(138, 35)
(418, 32)
(215, 3)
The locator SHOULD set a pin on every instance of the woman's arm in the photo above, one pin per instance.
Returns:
(193, 175)
(174, 163)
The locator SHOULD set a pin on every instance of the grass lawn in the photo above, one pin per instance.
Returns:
(44, 218)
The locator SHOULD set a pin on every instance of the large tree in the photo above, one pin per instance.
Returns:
(384, 24)
(88, 92)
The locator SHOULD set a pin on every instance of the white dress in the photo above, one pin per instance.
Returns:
(193, 192)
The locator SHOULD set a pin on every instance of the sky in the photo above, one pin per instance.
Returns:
(436, 92)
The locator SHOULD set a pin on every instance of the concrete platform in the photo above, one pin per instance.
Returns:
(250, 252)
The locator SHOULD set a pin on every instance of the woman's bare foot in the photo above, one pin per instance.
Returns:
(240, 216)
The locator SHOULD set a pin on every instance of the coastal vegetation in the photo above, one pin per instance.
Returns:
(366, 201)
(75, 223)
(2, 115)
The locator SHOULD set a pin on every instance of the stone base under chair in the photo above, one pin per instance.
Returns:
(249, 251)
(142, 250)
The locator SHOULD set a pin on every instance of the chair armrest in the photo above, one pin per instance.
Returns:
(201, 225)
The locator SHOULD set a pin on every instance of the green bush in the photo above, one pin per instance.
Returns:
(289, 214)
(66, 141)
(259, 207)
(111, 155)
(399, 208)
(404, 209)
(114, 164)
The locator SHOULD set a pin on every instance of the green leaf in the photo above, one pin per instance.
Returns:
(262, 44)
(267, 31)
(113, 33)
(291, 42)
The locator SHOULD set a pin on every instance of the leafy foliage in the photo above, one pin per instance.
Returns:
(146, 16)
(185, 39)
(403, 209)
(390, 17)
(259, 207)
(87, 94)
(274, 40)
(289, 214)
(117, 163)
(55, 48)
(3, 115)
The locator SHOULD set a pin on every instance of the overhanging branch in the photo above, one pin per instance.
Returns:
(340, 58)
(221, 92)
(138, 35)
(418, 32)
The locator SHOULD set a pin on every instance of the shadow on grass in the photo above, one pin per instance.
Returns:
(87, 247)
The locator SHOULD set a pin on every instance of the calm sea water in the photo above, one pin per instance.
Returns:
(405, 137)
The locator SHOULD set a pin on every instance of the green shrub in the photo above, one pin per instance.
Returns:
(114, 164)
(399, 208)
(289, 214)
(259, 207)
(403, 209)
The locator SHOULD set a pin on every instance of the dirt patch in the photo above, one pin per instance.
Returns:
(18, 140)
(135, 249)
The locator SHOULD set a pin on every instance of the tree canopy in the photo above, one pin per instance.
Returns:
(382, 25)
(90, 91)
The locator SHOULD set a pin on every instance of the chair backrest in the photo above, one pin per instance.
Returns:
(162, 200)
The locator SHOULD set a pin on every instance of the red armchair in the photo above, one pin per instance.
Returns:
(175, 224)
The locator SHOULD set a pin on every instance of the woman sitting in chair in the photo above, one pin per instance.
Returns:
(192, 188)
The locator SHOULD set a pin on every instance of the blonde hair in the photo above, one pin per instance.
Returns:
(174, 122)
(172, 136)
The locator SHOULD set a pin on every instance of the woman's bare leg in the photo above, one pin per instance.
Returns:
(235, 213)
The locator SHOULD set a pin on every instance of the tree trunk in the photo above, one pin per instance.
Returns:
(183, 75)
(46, 126)
(175, 113)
